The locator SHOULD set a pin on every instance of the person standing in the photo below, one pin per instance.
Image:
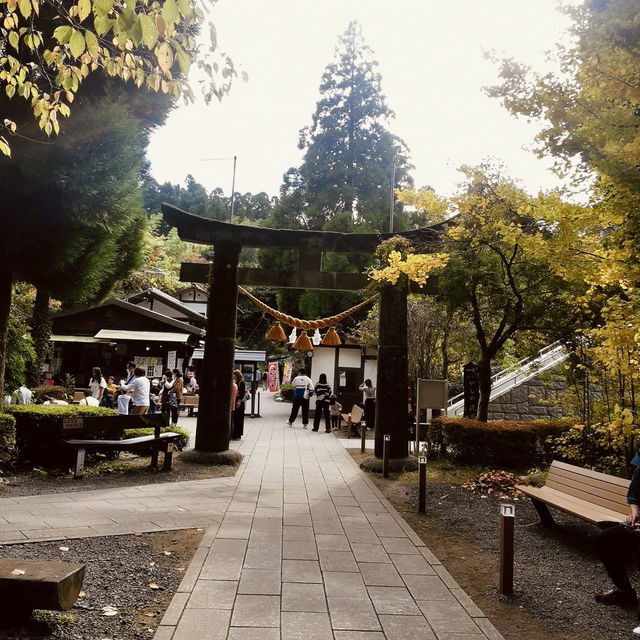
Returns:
(178, 388)
(323, 393)
(234, 395)
(335, 408)
(301, 393)
(168, 398)
(369, 397)
(97, 384)
(238, 415)
(139, 389)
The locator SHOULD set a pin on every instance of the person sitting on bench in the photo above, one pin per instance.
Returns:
(617, 544)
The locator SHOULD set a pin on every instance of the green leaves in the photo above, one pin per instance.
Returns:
(139, 41)
(149, 31)
(76, 44)
(92, 43)
(63, 34)
(170, 12)
(84, 9)
(25, 7)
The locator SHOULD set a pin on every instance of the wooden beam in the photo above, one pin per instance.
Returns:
(321, 280)
(202, 230)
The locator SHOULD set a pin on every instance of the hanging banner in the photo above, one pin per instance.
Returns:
(273, 377)
(286, 374)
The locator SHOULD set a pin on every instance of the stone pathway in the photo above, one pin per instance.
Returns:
(299, 545)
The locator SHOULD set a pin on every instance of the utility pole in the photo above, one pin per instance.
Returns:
(233, 182)
(233, 188)
(392, 197)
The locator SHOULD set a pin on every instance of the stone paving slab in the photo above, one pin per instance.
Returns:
(299, 545)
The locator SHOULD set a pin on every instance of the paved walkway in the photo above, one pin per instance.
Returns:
(299, 545)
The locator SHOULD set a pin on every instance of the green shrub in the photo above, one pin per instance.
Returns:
(181, 443)
(7, 439)
(58, 392)
(286, 391)
(607, 447)
(39, 428)
(500, 443)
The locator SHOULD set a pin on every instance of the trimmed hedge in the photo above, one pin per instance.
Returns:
(501, 443)
(7, 439)
(39, 428)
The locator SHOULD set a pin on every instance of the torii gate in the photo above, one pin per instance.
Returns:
(223, 278)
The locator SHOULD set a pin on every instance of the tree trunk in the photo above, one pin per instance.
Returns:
(484, 382)
(445, 352)
(392, 412)
(6, 279)
(41, 334)
(214, 411)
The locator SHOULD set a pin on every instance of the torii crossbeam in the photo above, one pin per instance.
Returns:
(223, 278)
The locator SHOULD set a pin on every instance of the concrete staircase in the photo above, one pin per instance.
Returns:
(515, 375)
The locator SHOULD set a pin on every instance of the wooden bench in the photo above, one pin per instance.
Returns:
(107, 432)
(593, 496)
(352, 418)
(35, 584)
(190, 403)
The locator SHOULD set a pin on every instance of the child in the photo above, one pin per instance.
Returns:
(334, 409)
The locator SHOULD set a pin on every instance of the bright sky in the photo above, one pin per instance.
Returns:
(433, 70)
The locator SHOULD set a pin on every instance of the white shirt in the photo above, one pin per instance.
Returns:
(21, 396)
(140, 387)
(302, 382)
(367, 392)
(95, 387)
(90, 401)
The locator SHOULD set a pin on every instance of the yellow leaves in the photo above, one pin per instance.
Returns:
(25, 7)
(5, 149)
(416, 267)
(164, 56)
(92, 43)
(84, 9)
(76, 43)
(436, 208)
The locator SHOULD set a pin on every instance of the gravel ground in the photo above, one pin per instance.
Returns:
(129, 582)
(119, 569)
(127, 470)
(556, 572)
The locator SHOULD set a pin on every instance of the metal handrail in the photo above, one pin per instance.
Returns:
(512, 372)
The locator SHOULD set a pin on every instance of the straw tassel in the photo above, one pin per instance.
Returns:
(303, 343)
(276, 333)
(331, 338)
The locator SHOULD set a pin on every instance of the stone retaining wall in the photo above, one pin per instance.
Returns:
(535, 399)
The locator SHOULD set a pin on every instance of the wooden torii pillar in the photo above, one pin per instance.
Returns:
(223, 278)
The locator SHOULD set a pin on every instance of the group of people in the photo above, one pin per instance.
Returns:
(327, 404)
(136, 394)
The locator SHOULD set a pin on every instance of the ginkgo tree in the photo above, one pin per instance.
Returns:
(589, 113)
(49, 47)
(494, 265)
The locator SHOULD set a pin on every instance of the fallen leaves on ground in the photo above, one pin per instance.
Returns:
(498, 483)
(108, 610)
